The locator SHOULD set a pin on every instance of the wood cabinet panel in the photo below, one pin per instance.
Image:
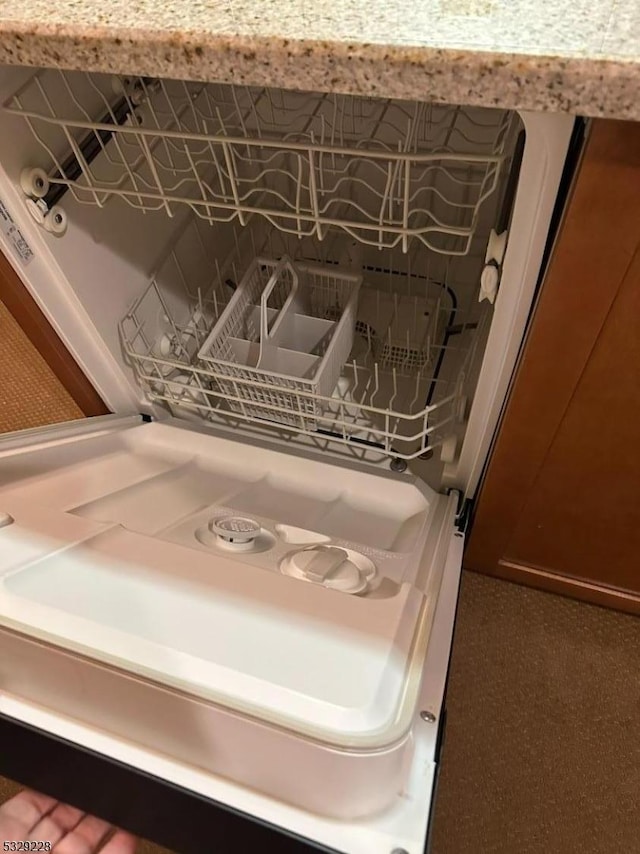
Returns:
(582, 514)
(44, 338)
(560, 505)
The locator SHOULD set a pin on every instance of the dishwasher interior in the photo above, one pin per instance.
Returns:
(388, 214)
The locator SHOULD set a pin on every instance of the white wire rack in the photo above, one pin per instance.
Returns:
(396, 395)
(385, 172)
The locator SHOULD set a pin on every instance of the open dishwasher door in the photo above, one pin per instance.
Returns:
(248, 603)
(269, 630)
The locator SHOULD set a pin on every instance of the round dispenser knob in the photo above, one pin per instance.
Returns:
(236, 530)
(336, 568)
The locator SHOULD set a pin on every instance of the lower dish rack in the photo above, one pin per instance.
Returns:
(385, 390)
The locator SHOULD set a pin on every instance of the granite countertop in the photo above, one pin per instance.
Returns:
(578, 56)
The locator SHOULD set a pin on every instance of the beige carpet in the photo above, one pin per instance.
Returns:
(30, 395)
(542, 754)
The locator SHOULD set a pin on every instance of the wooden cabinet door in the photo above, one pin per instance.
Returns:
(44, 338)
(560, 504)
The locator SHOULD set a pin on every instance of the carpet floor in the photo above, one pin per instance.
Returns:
(542, 753)
(30, 395)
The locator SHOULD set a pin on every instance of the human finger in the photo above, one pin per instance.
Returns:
(85, 838)
(53, 826)
(120, 843)
(26, 809)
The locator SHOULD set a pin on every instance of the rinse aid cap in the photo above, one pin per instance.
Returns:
(238, 530)
(330, 566)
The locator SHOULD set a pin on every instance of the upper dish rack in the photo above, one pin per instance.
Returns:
(385, 172)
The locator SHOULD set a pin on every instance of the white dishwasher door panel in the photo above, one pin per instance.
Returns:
(122, 611)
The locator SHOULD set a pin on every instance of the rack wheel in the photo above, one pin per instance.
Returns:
(448, 449)
(397, 464)
(34, 183)
(489, 281)
(55, 221)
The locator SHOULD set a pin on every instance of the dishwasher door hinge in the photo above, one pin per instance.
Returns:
(463, 519)
(147, 419)
(463, 511)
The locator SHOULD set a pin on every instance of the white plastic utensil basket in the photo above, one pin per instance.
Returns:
(285, 334)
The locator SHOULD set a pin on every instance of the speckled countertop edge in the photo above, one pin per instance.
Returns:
(594, 86)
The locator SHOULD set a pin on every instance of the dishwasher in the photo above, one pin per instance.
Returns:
(303, 310)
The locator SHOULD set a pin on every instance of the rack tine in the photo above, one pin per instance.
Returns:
(356, 380)
(395, 389)
(299, 193)
(376, 386)
(417, 392)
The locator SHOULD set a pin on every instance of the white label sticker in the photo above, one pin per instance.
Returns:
(14, 235)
